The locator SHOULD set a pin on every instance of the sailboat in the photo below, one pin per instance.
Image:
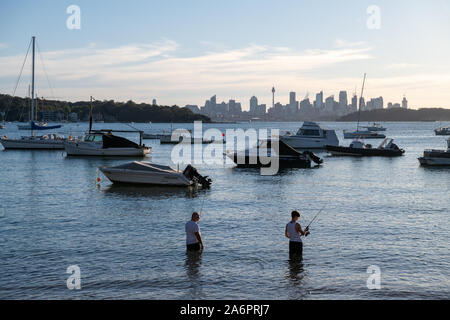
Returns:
(362, 134)
(32, 142)
(357, 148)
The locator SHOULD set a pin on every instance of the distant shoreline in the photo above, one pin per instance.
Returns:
(399, 115)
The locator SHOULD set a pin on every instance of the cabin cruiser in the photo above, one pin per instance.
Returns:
(145, 173)
(375, 127)
(443, 131)
(287, 156)
(103, 143)
(436, 157)
(363, 134)
(386, 149)
(311, 136)
(45, 142)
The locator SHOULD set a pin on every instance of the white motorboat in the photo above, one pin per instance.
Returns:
(375, 127)
(436, 157)
(145, 173)
(104, 144)
(363, 134)
(311, 136)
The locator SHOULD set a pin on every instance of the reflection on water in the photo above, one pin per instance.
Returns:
(137, 191)
(295, 266)
(192, 266)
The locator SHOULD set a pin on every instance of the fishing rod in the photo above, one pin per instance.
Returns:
(315, 217)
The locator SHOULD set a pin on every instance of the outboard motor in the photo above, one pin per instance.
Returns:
(313, 157)
(192, 174)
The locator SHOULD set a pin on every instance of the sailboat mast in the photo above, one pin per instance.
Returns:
(32, 89)
(90, 116)
(360, 102)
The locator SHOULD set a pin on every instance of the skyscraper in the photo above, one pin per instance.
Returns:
(404, 103)
(253, 105)
(319, 100)
(343, 99)
(273, 97)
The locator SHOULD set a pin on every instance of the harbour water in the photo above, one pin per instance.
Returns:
(129, 242)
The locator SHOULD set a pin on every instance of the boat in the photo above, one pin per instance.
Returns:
(375, 127)
(44, 142)
(286, 156)
(357, 148)
(442, 131)
(40, 126)
(168, 139)
(311, 136)
(436, 157)
(363, 134)
(146, 173)
(32, 142)
(104, 143)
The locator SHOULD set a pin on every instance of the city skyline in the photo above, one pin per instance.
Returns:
(324, 106)
(166, 52)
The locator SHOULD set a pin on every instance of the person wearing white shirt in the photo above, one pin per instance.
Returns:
(194, 240)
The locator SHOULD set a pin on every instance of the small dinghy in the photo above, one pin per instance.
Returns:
(287, 156)
(145, 173)
(436, 157)
(386, 149)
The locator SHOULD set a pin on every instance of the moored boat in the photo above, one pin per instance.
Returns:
(104, 143)
(358, 149)
(436, 157)
(443, 131)
(145, 173)
(311, 136)
(375, 127)
(266, 152)
(363, 134)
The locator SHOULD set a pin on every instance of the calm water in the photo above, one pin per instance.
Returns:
(130, 242)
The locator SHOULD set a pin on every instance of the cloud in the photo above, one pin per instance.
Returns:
(3, 45)
(163, 70)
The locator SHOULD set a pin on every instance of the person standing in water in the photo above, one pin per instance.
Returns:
(294, 232)
(194, 240)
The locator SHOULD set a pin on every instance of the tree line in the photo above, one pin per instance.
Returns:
(18, 109)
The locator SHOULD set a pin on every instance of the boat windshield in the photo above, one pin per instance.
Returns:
(93, 138)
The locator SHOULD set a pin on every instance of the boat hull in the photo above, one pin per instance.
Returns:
(308, 143)
(82, 149)
(145, 178)
(30, 144)
(360, 152)
(249, 161)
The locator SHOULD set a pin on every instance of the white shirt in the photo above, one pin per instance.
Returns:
(293, 234)
(191, 228)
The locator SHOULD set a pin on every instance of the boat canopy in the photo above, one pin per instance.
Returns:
(112, 141)
(284, 149)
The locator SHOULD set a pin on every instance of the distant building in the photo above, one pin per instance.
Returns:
(354, 105)
(154, 102)
(318, 104)
(343, 99)
(253, 105)
(404, 103)
(329, 104)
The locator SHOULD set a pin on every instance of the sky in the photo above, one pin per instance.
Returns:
(185, 51)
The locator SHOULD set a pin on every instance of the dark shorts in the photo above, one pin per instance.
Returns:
(193, 247)
(295, 248)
